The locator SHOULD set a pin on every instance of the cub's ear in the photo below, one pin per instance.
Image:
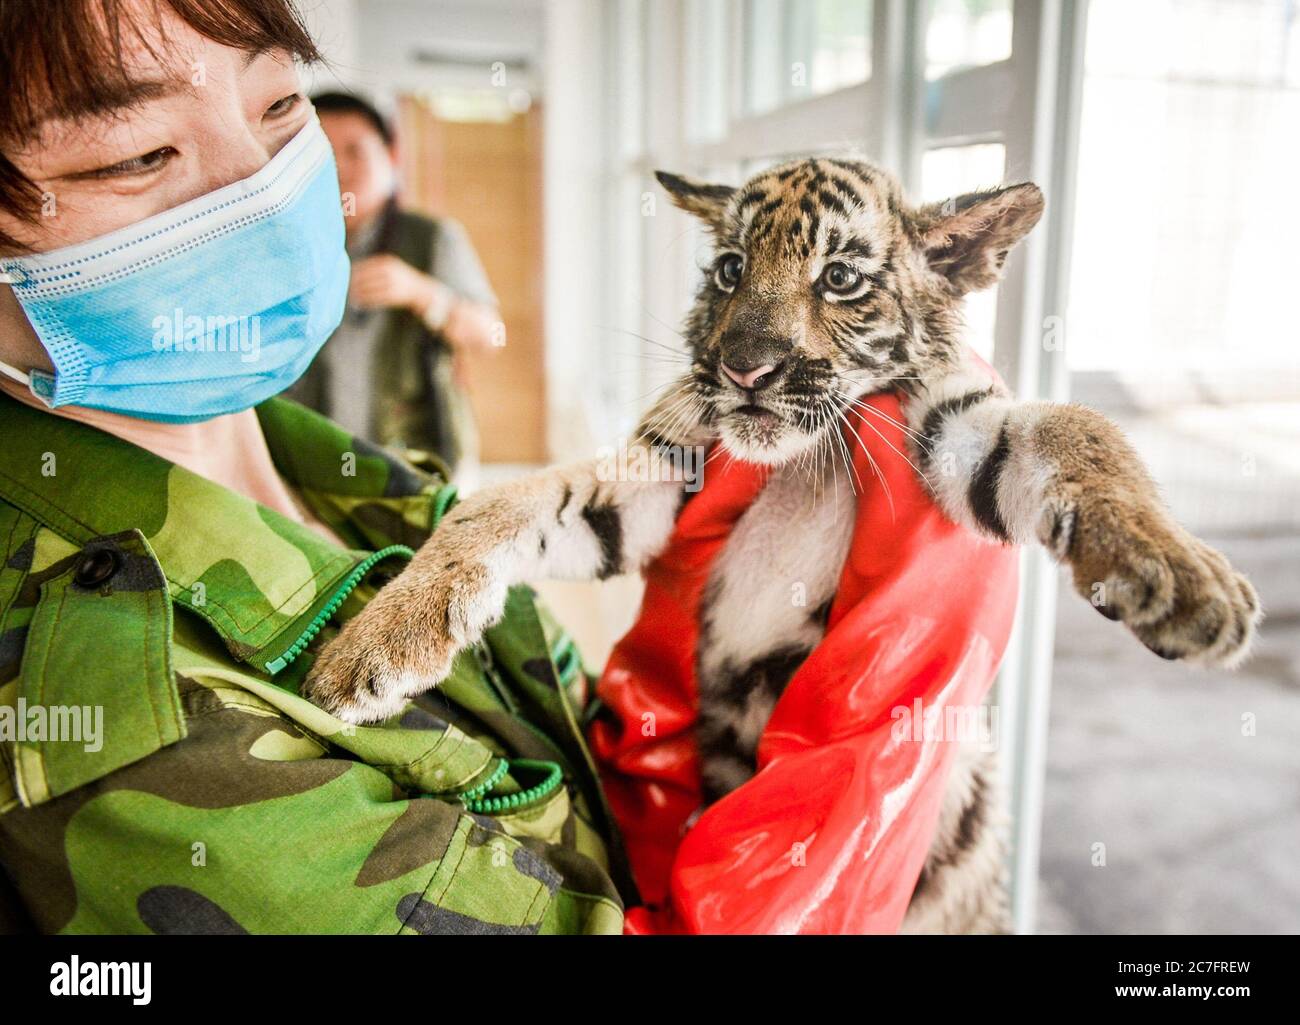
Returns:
(705, 201)
(967, 238)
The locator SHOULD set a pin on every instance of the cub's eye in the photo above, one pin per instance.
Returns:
(840, 278)
(729, 271)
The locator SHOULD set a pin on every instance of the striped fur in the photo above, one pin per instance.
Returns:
(828, 286)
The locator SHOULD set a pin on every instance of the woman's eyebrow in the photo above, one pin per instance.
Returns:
(110, 98)
(124, 96)
(121, 94)
(133, 92)
(252, 55)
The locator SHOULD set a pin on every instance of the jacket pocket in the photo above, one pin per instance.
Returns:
(95, 690)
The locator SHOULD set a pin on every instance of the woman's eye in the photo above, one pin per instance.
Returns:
(142, 164)
(730, 268)
(283, 105)
(840, 278)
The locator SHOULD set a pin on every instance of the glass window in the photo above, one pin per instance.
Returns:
(1180, 328)
(1292, 59)
(624, 359)
(628, 76)
(962, 33)
(1184, 235)
(951, 171)
(796, 49)
(708, 68)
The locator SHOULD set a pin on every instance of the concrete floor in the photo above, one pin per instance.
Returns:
(1201, 824)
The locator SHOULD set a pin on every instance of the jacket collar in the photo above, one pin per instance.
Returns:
(251, 573)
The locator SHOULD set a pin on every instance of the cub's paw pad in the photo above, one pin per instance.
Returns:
(1214, 615)
(1180, 597)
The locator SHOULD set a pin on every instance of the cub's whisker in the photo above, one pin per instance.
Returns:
(874, 465)
(889, 443)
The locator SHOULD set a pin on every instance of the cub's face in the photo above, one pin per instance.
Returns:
(825, 286)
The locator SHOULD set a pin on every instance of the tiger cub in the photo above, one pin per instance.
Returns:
(827, 285)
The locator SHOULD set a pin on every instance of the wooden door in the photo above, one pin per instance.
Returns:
(488, 176)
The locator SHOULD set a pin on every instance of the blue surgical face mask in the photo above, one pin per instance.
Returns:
(205, 309)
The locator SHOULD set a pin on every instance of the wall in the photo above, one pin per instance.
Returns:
(488, 174)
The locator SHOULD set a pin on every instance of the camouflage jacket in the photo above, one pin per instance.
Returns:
(158, 770)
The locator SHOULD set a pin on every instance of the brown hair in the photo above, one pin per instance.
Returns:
(65, 59)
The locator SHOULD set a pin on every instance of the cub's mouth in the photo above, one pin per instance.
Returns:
(756, 432)
(758, 414)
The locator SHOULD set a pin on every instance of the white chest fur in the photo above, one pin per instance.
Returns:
(774, 577)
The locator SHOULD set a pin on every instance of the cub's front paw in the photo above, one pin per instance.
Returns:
(403, 642)
(1180, 597)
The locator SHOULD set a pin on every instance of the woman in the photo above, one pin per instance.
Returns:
(173, 246)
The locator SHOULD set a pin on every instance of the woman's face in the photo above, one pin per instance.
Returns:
(201, 116)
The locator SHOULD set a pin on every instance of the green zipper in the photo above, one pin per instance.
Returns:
(442, 503)
(474, 793)
(318, 622)
(564, 656)
(508, 802)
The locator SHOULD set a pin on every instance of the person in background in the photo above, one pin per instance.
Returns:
(418, 301)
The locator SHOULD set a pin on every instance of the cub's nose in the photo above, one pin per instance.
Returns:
(755, 379)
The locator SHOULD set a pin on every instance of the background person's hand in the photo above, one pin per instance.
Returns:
(386, 281)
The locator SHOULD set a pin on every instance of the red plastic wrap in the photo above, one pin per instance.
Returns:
(831, 834)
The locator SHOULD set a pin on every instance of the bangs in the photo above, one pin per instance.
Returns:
(68, 60)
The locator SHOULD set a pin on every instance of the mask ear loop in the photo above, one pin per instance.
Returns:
(8, 278)
(16, 374)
